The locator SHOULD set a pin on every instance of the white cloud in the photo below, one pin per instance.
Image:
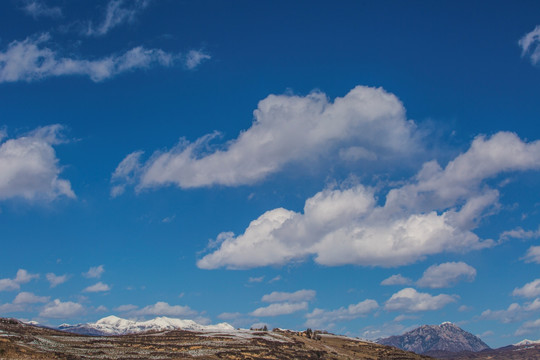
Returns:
(397, 279)
(117, 14)
(320, 318)
(528, 290)
(286, 129)
(530, 45)
(55, 280)
(528, 327)
(195, 57)
(277, 309)
(410, 300)
(535, 305)
(31, 60)
(22, 277)
(99, 287)
(446, 275)
(38, 9)
(256, 279)
(433, 212)
(61, 310)
(29, 167)
(29, 298)
(297, 296)
(164, 309)
(94, 272)
(533, 255)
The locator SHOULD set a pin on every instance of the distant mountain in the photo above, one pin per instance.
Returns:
(527, 342)
(112, 325)
(446, 337)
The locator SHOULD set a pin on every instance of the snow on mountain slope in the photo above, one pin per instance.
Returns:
(527, 342)
(113, 325)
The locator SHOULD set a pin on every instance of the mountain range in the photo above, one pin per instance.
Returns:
(113, 325)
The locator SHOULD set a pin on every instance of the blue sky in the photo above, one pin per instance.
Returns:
(362, 167)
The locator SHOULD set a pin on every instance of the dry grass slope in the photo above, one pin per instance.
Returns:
(20, 341)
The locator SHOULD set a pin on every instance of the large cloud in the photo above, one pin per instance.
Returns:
(433, 212)
(366, 124)
(29, 167)
(528, 290)
(277, 309)
(31, 60)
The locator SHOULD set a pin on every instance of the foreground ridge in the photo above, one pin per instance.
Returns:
(25, 341)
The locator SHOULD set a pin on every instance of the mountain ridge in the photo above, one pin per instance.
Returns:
(113, 325)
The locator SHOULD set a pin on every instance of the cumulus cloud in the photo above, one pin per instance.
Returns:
(22, 277)
(164, 309)
(55, 280)
(397, 279)
(99, 287)
(433, 212)
(297, 296)
(29, 167)
(62, 310)
(94, 272)
(38, 9)
(528, 290)
(31, 60)
(513, 313)
(530, 45)
(320, 318)
(118, 12)
(446, 275)
(284, 308)
(286, 129)
(29, 298)
(410, 300)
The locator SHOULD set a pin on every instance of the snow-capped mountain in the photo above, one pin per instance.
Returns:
(113, 325)
(527, 342)
(429, 338)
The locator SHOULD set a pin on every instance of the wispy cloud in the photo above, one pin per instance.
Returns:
(195, 57)
(118, 12)
(528, 290)
(37, 9)
(31, 60)
(530, 45)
